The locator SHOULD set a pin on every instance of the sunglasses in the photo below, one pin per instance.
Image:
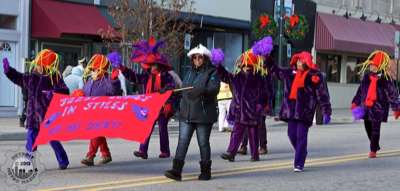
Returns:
(197, 57)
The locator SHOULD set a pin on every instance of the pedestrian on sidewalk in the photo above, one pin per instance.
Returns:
(99, 81)
(250, 97)
(40, 83)
(155, 78)
(198, 112)
(303, 90)
(224, 102)
(375, 94)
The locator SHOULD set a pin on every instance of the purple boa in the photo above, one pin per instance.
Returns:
(115, 59)
(263, 47)
(217, 56)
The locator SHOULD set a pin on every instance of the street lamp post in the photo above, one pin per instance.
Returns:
(279, 93)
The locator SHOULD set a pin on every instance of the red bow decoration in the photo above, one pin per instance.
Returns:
(315, 79)
(294, 20)
(264, 20)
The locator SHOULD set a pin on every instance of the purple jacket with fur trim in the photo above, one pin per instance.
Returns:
(38, 102)
(303, 108)
(387, 94)
(250, 96)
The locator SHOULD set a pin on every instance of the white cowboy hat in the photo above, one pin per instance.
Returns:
(199, 49)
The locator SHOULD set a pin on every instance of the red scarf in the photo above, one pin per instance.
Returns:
(157, 84)
(298, 82)
(371, 96)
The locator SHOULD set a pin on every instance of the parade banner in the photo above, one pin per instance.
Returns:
(127, 117)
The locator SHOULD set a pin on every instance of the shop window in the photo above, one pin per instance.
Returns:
(231, 44)
(330, 65)
(8, 22)
(353, 68)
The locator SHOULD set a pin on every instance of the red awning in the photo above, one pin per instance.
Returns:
(336, 33)
(51, 19)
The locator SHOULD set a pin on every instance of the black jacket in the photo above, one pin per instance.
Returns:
(199, 105)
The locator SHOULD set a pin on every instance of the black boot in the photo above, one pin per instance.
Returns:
(205, 167)
(176, 171)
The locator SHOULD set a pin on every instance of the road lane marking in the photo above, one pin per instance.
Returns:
(137, 182)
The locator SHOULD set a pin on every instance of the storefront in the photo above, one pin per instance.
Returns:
(70, 29)
(341, 45)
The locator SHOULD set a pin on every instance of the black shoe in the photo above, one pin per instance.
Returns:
(205, 167)
(255, 159)
(176, 172)
(228, 156)
(242, 151)
(140, 154)
(61, 167)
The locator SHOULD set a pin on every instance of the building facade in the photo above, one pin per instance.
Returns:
(14, 35)
(346, 32)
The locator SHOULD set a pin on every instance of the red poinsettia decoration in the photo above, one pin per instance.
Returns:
(264, 21)
(294, 20)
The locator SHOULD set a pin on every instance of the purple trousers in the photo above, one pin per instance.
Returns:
(163, 132)
(59, 151)
(298, 132)
(237, 137)
(373, 129)
(262, 137)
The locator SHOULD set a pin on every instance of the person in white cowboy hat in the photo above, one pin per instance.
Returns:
(198, 112)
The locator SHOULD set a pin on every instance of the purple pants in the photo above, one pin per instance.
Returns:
(373, 129)
(297, 132)
(237, 137)
(59, 151)
(262, 137)
(163, 132)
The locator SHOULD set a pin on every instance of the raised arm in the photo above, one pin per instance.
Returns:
(12, 74)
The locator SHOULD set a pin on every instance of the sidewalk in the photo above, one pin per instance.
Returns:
(10, 130)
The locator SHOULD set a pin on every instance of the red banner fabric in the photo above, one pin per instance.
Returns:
(127, 117)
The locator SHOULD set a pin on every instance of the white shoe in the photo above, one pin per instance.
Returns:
(297, 170)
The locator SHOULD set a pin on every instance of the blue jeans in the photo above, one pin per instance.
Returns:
(186, 131)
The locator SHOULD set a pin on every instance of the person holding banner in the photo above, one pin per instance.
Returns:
(375, 94)
(250, 97)
(100, 82)
(198, 112)
(40, 83)
(155, 78)
(304, 88)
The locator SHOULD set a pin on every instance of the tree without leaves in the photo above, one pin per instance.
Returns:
(140, 19)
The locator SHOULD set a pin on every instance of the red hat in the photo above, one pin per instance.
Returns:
(378, 59)
(99, 61)
(304, 57)
(46, 58)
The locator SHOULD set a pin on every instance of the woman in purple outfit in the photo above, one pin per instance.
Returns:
(101, 82)
(250, 97)
(375, 94)
(303, 90)
(155, 78)
(43, 79)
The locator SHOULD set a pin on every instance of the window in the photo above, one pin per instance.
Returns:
(353, 68)
(330, 65)
(8, 22)
(231, 44)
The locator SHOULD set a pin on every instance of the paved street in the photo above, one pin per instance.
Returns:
(337, 161)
